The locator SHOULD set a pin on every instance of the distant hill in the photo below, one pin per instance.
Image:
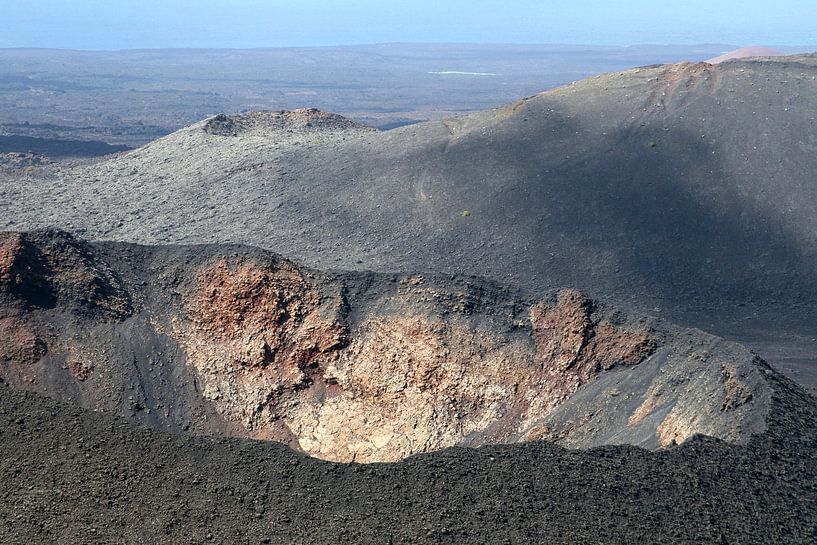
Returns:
(133, 97)
(746, 52)
(685, 191)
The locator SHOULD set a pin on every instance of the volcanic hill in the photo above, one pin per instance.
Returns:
(745, 53)
(685, 191)
(484, 281)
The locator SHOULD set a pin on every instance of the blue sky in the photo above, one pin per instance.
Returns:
(123, 24)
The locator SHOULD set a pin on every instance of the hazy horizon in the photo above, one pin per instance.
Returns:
(364, 45)
(153, 24)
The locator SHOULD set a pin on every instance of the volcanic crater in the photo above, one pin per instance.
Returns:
(354, 366)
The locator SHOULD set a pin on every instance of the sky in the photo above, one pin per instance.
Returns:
(136, 24)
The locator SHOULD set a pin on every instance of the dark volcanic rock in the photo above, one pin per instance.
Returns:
(69, 476)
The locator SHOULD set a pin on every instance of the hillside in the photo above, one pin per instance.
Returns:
(72, 476)
(684, 190)
(284, 326)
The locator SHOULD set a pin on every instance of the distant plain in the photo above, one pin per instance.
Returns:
(132, 97)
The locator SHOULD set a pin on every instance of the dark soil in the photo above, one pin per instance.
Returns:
(68, 476)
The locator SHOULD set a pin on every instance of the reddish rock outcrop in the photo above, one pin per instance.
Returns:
(273, 355)
(257, 335)
(572, 348)
(59, 270)
(10, 244)
(13, 271)
(19, 344)
(353, 368)
(417, 383)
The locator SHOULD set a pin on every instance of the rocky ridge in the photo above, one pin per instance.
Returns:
(265, 122)
(22, 161)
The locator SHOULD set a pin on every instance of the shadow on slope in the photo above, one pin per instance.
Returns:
(647, 216)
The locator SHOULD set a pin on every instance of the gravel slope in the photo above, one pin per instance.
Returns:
(68, 476)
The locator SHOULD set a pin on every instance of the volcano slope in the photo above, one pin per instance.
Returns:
(685, 191)
(364, 367)
(72, 476)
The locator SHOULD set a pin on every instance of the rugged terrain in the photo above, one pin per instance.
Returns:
(684, 191)
(537, 239)
(72, 476)
(354, 366)
(359, 367)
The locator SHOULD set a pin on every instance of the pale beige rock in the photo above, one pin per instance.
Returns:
(274, 357)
